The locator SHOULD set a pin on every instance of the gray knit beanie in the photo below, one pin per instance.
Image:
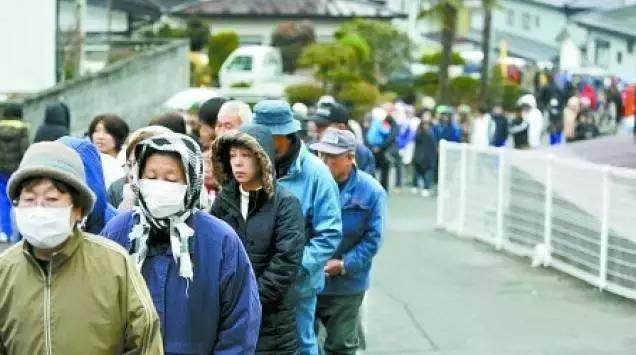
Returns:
(56, 161)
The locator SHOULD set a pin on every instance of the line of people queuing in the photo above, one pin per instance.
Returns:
(224, 234)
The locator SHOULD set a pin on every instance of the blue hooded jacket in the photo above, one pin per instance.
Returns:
(311, 182)
(219, 311)
(102, 210)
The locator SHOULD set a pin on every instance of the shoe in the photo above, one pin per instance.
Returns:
(425, 193)
(414, 191)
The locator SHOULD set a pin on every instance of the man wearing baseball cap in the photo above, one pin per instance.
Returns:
(334, 115)
(363, 205)
(309, 180)
(65, 291)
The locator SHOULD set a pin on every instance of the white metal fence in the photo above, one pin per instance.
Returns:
(576, 216)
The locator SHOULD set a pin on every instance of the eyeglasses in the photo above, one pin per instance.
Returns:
(44, 203)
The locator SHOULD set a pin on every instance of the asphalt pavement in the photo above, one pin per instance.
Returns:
(436, 293)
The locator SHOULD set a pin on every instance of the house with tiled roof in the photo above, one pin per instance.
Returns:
(255, 20)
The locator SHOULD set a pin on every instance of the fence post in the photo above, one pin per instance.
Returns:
(605, 199)
(547, 218)
(500, 198)
(462, 187)
(441, 183)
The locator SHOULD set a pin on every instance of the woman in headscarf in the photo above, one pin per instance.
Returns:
(269, 221)
(195, 266)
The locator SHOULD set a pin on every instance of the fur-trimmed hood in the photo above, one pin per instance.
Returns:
(256, 138)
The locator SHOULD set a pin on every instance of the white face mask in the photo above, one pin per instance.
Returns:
(163, 198)
(44, 228)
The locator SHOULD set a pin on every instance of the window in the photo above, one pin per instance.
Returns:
(602, 53)
(619, 57)
(510, 18)
(525, 21)
(240, 63)
(537, 20)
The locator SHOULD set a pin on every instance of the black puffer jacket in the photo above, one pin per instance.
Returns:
(57, 123)
(273, 235)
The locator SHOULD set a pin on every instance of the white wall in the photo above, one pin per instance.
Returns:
(27, 39)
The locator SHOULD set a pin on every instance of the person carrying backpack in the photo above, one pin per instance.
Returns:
(14, 141)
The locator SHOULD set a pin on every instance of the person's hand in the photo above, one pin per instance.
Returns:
(334, 267)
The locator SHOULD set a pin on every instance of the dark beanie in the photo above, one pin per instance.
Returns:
(209, 111)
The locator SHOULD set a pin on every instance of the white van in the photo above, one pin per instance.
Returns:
(249, 66)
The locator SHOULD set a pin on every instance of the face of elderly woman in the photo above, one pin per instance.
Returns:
(164, 167)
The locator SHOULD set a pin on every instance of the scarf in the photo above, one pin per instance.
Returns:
(175, 225)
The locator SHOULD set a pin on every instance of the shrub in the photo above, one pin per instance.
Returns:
(436, 58)
(464, 90)
(220, 47)
(305, 93)
(511, 93)
(360, 97)
(428, 83)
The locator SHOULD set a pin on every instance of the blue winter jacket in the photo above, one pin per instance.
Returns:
(102, 210)
(311, 182)
(363, 203)
(219, 311)
(447, 131)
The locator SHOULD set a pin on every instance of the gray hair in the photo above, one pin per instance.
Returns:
(239, 108)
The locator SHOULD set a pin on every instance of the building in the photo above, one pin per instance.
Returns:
(536, 29)
(255, 21)
(610, 40)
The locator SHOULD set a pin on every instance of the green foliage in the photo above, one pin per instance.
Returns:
(166, 31)
(511, 93)
(333, 63)
(291, 38)
(428, 83)
(464, 90)
(198, 32)
(305, 93)
(360, 97)
(436, 58)
(389, 48)
(220, 46)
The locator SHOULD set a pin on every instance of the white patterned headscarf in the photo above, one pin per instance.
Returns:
(189, 152)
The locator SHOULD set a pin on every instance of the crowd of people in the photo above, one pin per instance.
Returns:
(229, 232)
(227, 229)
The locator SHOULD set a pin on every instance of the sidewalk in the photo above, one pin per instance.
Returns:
(435, 293)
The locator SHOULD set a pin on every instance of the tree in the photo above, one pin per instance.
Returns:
(389, 49)
(198, 32)
(487, 6)
(220, 46)
(333, 64)
(291, 37)
(447, 12)
(435, 59)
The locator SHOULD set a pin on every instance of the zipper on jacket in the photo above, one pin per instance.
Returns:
(48, 346)
(46, 304)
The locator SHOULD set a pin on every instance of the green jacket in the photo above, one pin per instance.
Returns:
(89, 299)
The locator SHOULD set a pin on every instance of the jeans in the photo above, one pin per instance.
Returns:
(305, 320)
(398, 172)
(340, 316)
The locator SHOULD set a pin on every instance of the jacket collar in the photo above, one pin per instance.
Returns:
(63, 254)
(296, 166)
(346, 194)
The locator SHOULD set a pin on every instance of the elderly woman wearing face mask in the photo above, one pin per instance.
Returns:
(52, 298)
(195, 266)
